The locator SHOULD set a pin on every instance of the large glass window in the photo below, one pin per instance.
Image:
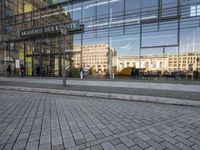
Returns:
(88, 10)
(76, 11)
(195, 10)
(169, 8)
(149, 9)
(96, 56)
(116, 8)
(189, 50)
(189, 40)
(132, 6)
(119, 34)
(125, 54)
(164, 33)
(158, 62)
(102, 10)
(132, 12)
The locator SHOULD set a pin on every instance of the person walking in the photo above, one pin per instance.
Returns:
(22, 70)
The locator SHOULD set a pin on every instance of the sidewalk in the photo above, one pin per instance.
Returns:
(183, 92)
(41, 121)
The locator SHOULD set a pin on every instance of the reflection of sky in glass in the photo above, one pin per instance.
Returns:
(96, 41)
(126, 40)
(102, 10)
(125, 45)
(164, 38)
(159, 51)
(190, 40)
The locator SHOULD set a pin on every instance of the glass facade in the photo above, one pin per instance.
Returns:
(138, 38)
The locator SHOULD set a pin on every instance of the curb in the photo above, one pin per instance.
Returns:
(139, 98)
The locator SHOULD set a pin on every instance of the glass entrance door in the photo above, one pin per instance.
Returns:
(44, 65)
(48, 65)
(44, 57)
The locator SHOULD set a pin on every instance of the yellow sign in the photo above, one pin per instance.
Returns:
(20, 10)
(30, 52)
(27, 7)
(29, 66)
(21, 54)
(56, 67)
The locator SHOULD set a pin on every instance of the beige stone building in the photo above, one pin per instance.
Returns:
(94, 56)
(187, 62)
(149, 63)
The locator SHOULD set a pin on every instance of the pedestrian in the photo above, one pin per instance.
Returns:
(133, 73)
(38, 71)
(22, 70)
(81, 73)
(9, 70)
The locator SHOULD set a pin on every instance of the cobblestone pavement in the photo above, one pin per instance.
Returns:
(45, 121)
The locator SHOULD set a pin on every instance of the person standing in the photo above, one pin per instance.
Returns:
(133, 73)
(9, 70)
(22, 70)
(38, 71)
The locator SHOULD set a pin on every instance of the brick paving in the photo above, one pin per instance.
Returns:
(35, 121)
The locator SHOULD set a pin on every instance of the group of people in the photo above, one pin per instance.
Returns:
(21, 70)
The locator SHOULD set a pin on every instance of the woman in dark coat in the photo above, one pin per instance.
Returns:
(9, 70)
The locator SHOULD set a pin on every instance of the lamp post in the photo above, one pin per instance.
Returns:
(197, 68)
(163, 59)
(64, 31)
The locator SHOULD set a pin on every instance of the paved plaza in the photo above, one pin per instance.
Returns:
(35, 121)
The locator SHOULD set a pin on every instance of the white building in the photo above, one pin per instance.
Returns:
(149, 63)
(187, 62)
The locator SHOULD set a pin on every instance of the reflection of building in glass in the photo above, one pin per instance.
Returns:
(195, 10)
(40, 43)
(132, 27)
(1, 65)
(149, 63)
(187, 62)
(95, 57)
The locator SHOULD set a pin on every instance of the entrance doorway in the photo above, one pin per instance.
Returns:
(41, 57)
(44, 65)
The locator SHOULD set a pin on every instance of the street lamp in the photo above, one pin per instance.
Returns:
(163, 59)
(197, 68)
(64, 31)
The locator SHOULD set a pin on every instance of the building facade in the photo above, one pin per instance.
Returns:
(168, 63)
(94, 57)
(146, 63)
(106, 35)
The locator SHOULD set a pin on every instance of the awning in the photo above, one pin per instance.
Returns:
(8, 59)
